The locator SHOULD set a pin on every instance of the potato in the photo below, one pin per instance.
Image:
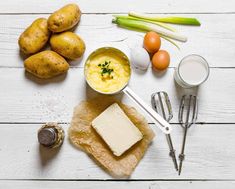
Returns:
(34, 37)
(46, 64)
(67, 44)
(64, 18)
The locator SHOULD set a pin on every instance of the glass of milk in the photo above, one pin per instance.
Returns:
(192, 71)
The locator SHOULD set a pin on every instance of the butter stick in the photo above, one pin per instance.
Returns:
(116, 129)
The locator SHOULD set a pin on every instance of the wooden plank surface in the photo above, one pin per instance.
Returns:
(213, 40)
(26, 102)
(210, 154)
(27, 99)
(118, 185)
(107, 6)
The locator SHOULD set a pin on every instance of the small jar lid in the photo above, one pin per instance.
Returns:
(47, 136)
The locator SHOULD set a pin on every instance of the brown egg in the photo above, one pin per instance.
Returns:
(161, 60)
(152, 42)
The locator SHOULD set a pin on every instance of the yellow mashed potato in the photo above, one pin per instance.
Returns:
(107, 70)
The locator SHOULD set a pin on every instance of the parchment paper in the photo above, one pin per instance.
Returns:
(83, 136)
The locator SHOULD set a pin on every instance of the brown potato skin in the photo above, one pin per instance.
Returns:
(46, 64)
(65, 18)
(35, 37)
(68, 44)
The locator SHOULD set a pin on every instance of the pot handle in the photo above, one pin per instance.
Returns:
(157, 119)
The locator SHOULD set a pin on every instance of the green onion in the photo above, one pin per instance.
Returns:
(105, 68)
(141, 25)
(171, 41)
(172, 20)
(150, 21)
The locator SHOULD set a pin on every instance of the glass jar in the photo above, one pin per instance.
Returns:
(192, 71)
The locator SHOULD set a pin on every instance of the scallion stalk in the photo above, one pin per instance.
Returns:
(166, 26)
(171, 41)
(172, 20)
(141, 25)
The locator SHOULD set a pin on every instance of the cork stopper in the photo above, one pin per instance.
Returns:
(47, 136)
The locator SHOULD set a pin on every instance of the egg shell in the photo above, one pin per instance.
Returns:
(152, 42)
(140, 58)
(161, 60)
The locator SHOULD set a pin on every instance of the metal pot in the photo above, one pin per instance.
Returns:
(157, 119)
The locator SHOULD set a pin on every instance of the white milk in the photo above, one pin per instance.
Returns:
(192, 71)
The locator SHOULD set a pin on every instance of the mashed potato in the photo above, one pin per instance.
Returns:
(107, 70)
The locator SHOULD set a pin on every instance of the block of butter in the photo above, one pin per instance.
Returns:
(116, 129)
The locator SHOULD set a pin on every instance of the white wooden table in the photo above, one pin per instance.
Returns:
(26, 103)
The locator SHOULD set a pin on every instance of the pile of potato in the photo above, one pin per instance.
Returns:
(64, 43)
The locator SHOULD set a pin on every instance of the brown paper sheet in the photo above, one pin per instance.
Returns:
(83, 136)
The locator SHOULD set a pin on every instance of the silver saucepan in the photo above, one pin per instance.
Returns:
(157, 119)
